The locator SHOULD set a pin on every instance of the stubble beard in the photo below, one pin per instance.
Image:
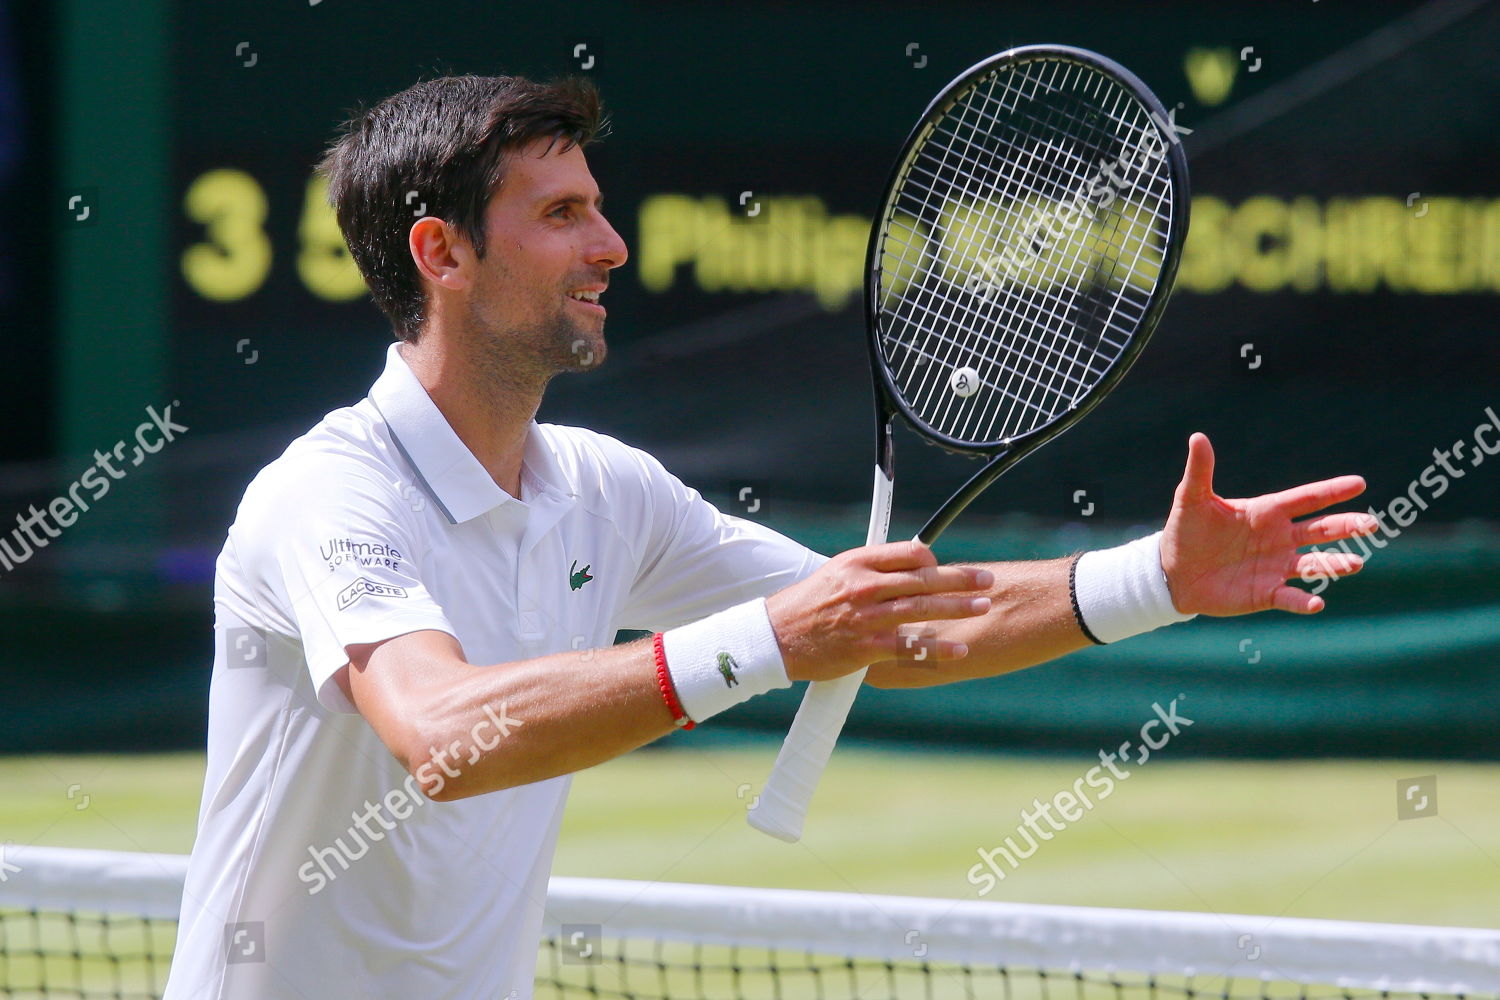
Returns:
(527, 356)
(574, 345)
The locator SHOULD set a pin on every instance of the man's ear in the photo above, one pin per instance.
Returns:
(440, 253)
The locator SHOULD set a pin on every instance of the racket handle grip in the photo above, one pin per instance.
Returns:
(784, 802)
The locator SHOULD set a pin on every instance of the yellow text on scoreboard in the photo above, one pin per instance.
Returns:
(1265, 244)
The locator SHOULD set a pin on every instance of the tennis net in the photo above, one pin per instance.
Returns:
(88, 924)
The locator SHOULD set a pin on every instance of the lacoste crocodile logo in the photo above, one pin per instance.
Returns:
(727, 667)
(578, 577)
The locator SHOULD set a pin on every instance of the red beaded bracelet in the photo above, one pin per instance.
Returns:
(664, 681)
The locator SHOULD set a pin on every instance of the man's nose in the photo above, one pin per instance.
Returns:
(610, 249)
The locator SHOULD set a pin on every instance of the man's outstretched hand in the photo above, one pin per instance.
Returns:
(1232, 557)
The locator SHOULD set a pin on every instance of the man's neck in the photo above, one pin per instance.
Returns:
(489, 415)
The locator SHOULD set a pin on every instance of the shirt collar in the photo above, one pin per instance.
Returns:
(445, 469)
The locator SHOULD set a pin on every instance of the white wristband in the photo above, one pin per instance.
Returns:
(724, 659)
(1121, 592)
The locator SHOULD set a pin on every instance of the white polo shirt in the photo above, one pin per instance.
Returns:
(320, 871)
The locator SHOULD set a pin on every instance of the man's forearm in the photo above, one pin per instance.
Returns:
(1030, 621)
(489, 727)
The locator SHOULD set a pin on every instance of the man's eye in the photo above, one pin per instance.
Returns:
(561, 211)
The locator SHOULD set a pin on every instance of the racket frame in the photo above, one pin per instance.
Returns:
(1006, 452)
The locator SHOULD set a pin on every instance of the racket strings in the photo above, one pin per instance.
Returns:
(1041, 290)
(1061, 184)
(961, 139)
(973, 193)
(1024, 157)
(953, 310)
(1057, 186)
(957, 301)
(1040, 353)
(1036, 337)
(1057, 179)
(1075, 182)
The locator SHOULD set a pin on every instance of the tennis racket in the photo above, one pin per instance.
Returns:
(1023, 255)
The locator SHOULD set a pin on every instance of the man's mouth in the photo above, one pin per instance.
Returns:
(588, 298)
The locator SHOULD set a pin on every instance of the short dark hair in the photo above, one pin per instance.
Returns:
(448, 140)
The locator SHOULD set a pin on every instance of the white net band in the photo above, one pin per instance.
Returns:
(618, 938)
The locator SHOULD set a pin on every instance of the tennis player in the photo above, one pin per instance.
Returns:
(416, 601)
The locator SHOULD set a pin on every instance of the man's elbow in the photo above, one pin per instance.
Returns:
(447, 774)
(434, 784)
(442, 765)
(440, 772)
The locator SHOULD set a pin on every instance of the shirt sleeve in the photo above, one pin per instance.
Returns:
(341, 551)
(697, 560)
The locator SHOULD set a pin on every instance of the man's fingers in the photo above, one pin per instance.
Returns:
(916, 647)
(931, 607)
(890, 556)
(1300, 500)
(1333, 527)
(1198, 478)
(933, 580)
(1325, 564)
(1328, 564)
(1298, 602)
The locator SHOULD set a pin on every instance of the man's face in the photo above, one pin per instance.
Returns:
(547, 248)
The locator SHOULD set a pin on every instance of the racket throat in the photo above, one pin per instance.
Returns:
(977, 484)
